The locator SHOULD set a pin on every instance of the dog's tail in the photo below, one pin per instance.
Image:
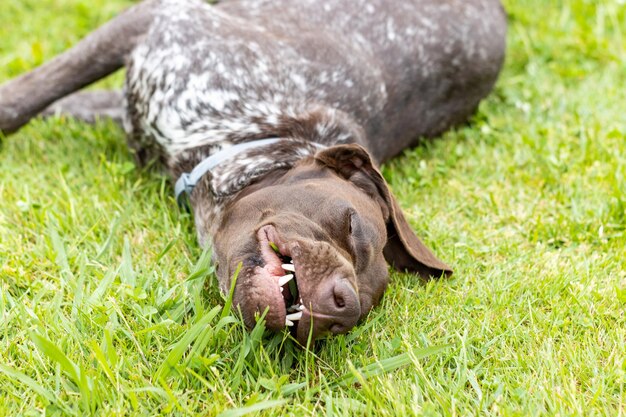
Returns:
(99, 54)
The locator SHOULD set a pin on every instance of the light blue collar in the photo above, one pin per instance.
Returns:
(188, 180)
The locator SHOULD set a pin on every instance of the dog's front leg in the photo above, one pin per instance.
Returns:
(99, 54)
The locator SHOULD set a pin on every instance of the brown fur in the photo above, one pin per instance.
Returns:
(312, 206)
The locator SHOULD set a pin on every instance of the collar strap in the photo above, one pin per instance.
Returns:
(188, 180)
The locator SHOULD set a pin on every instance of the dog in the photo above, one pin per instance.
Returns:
(272, 116)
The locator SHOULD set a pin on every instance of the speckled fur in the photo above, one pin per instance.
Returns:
(366, 78)
(381, 73)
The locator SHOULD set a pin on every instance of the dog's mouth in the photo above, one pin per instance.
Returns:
(282, 270)
(283, 279)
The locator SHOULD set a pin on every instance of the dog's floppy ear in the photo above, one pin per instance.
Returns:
(403, 250)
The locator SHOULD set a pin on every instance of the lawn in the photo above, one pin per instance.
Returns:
(109, 307)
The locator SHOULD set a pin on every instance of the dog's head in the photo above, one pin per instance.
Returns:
(314, 243)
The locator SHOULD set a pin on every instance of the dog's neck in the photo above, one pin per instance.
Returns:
(303, 133)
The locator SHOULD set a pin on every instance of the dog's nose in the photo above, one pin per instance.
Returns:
(338, 307)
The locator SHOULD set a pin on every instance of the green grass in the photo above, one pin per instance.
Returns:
(108, 306)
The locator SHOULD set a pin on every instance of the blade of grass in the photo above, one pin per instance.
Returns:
(110, 236)
(127, 273)
(229, 301)
(30, 383)
(180, 347)
(388, 365)
(242, 411)
(60, 253)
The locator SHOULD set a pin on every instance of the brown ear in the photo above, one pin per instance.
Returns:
(404, 250)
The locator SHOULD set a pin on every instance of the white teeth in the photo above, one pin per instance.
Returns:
(289, 267)
(291, 261)
(285, 279)
(294, 316)
(300, 307)
(288, 323)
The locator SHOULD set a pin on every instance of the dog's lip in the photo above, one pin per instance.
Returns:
(268, 233)
(265, 236)
(274, 266)
(270, 274)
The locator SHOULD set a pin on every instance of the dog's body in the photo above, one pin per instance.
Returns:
(342, 75)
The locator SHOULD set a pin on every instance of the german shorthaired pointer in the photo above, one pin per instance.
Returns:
(272, 115)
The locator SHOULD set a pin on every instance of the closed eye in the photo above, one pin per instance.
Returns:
(360, 241)
(356, 237)
(350, 226)
(352, 221)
